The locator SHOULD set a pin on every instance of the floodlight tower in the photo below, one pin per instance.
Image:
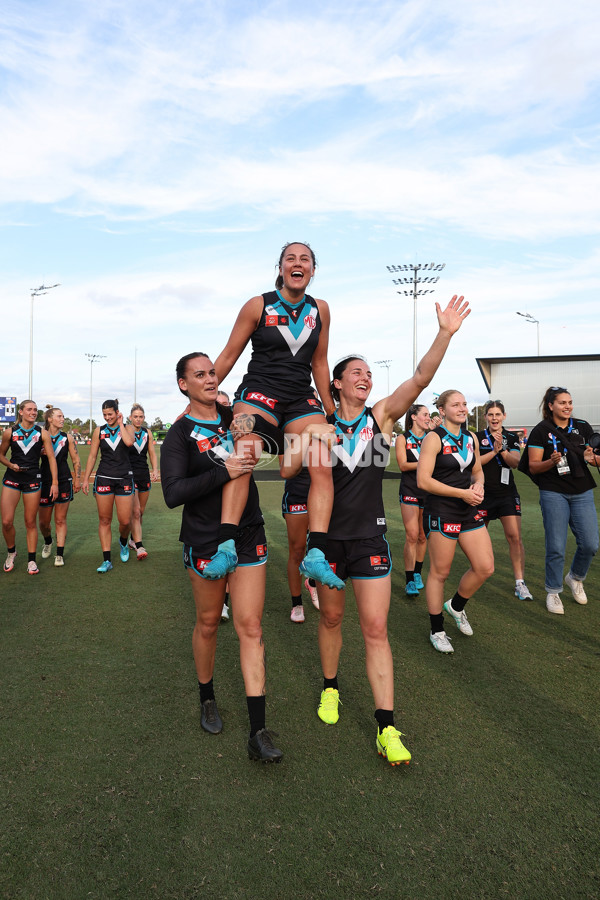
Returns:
(385, 363)
(415, 279)
(35, 292)
(529, 318)
(93, 357)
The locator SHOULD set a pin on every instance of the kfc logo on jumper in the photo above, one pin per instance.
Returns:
(298, 507)
(201, 564)
(451, 528)
(261, 549)
(366, 434)
(268, 401)
(310, 322)
(408, 499)
(103, 489)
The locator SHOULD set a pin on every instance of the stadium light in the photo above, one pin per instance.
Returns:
(529, 318)
(417, 277)
(35, 292)
(93, 357)
(385, 363)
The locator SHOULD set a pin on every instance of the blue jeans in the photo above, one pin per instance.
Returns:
(579, 513)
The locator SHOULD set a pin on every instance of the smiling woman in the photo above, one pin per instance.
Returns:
(23, 477)
(197, 461)
(559, 454)
(289, 331)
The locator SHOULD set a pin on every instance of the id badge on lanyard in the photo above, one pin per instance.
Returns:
(562, 466)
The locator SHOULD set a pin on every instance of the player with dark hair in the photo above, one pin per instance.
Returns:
(113, 484)
(412, 500)
(357, 545)
(289, 331)
(197, 460)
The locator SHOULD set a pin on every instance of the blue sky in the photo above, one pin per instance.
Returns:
(155, 157)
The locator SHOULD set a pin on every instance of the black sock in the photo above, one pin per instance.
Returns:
(410, 576)
(60, 551)
(226, 532)
(106, 555)
(207, 691)
(122, 541)
(312, 582)
(458, 603)
(11, 549)
(31, 557)
(418, 567)
(330, 683)
(437, 622)
(226, 600)
(257, 713)
(384, 718)
(138, 544)
(317, 540)
(297, 601)
(48, 540)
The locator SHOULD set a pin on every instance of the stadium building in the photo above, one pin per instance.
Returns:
(521, 381)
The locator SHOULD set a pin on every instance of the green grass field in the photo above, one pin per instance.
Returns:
(111, 789)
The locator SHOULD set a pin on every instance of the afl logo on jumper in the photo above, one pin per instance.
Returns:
(448, 449)
(274, 321)
(261, 549)
(255, 395)
(310, 322)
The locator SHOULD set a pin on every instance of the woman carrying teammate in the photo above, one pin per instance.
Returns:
(500, 453)
(558, 457)
(295, 512)
(63, 446)
(289, 331)
(196, 461)
(450, 472)
(113, 484)
(356, 545)
(140, 451)
(412, 500)
(25, 440)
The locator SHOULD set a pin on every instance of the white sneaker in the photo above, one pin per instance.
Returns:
(10, 561)
(441, 642)
(313, 593)
(297, 614)
(59, 561)
(225, 613)
(131, 544)
(32, 568)
(522, 591)
(576, 589)
(47, 550)
(554, 604)
(462, 623)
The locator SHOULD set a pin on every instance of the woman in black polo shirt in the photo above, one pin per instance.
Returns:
(558, 457)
